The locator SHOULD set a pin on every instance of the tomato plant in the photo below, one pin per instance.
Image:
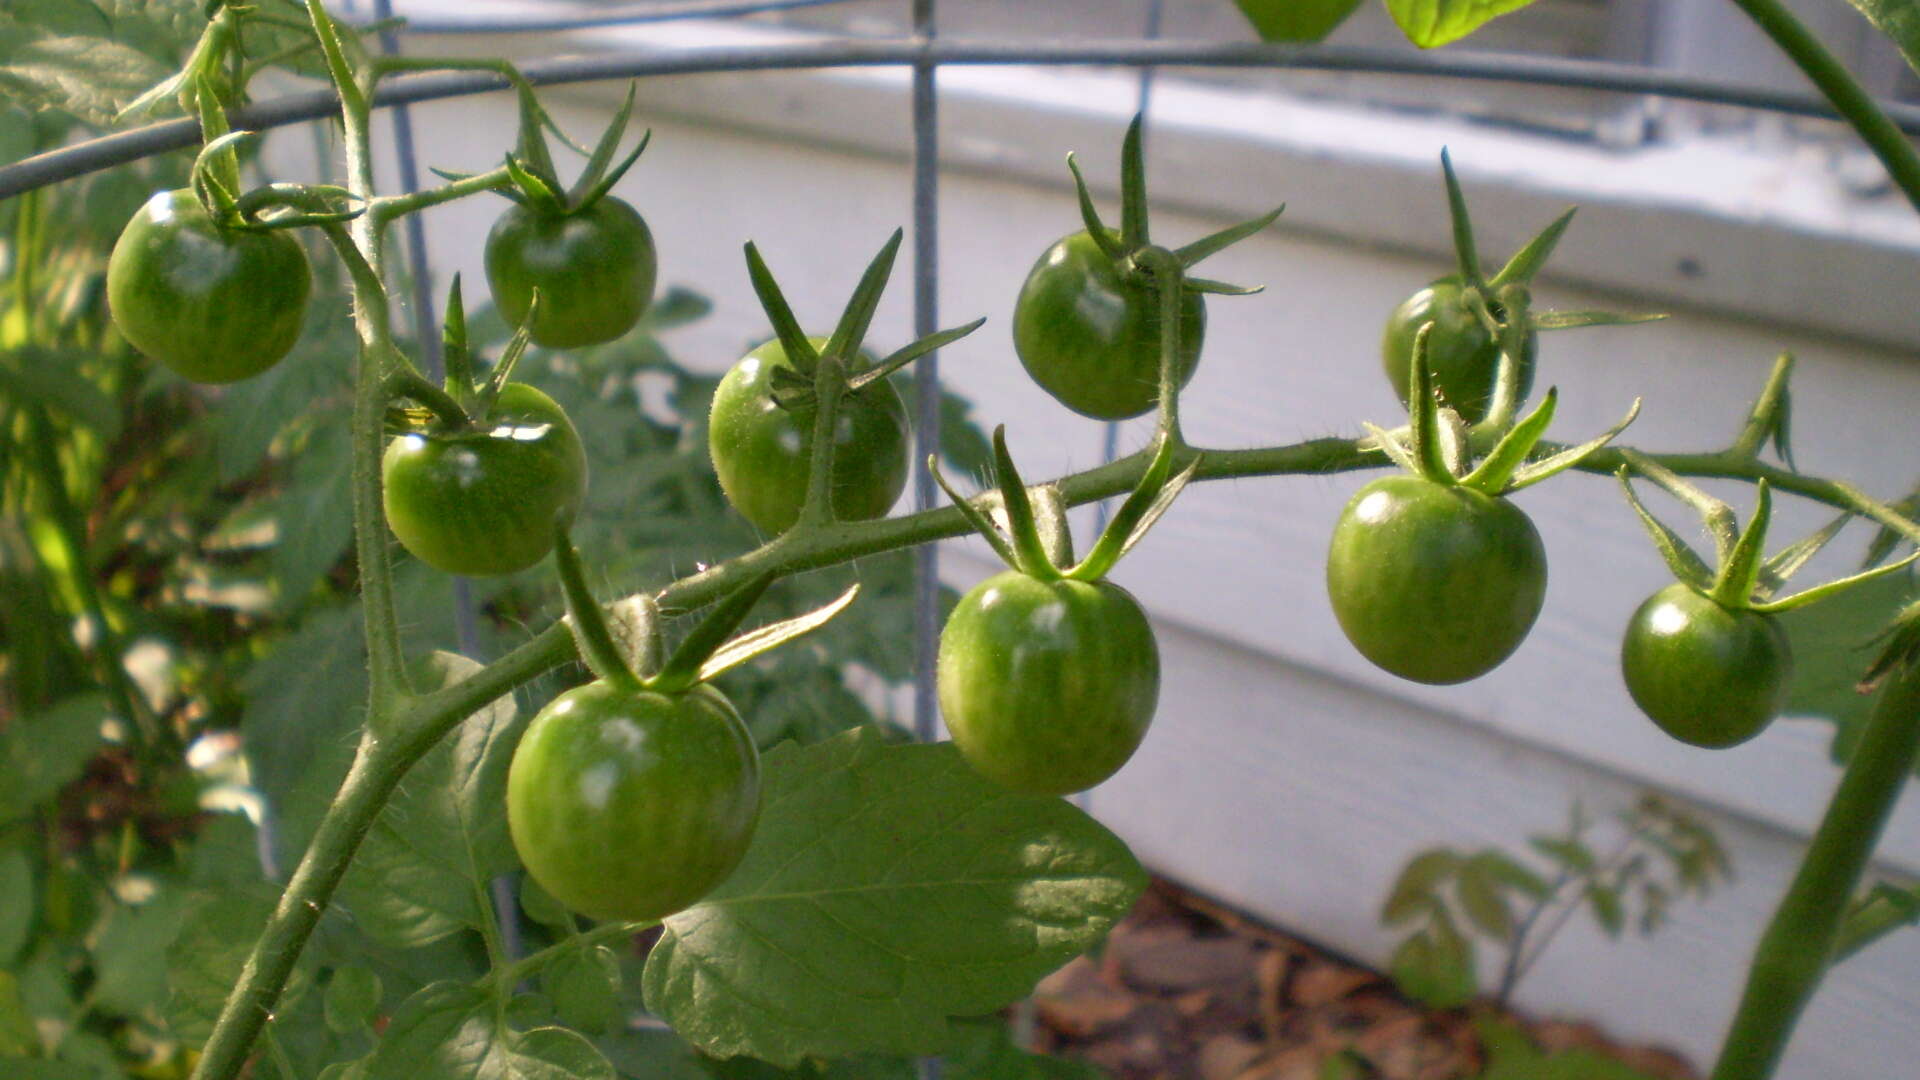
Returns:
(1435, 576)
(215, 302)
(1435, 582)
(631, 804)
(586, 256)
(1704, 657)
(1089, 332)
(1048, 686)
(1465, 356)
(593, 268)
(1088, 323)
(633, 796)
(1048, 674)
(764, 431)
(1475, 320)
(762, 450)
(483, 498)
(843, 872)
(1708, 675)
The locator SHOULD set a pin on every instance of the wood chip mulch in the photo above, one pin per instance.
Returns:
(1189, 990)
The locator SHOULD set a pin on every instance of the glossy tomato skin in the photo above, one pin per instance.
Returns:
(633, 804)
(485, 501)
(595, 269)
(1091, 338)
(1465, 358)
(216, 305)
(1434, 583)
(1707, 675)
(761, 450)
(1047, 686)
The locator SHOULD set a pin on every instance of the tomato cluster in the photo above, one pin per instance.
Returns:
(635, 795)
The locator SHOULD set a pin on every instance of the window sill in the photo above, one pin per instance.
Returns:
(1757, 226)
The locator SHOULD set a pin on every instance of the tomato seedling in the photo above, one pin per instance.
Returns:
(763, 425)
(635, 795)
(1704, 658)
(1048, 674)
(1435, 576)
(588, 254)
(476, 487)
(1476, 320)
(1087, 322)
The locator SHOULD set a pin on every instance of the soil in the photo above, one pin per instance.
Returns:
(1189, 990)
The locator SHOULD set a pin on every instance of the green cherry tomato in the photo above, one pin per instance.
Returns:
(1708, 675)
(1091, 338)
(761, 450)
(215, 304)
(1434, 583)
(633, 804)
(594, 267)
(1465, 358)
(485, 500)
(1047, 686)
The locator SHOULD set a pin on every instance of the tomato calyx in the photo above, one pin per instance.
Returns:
(1745, 579)
(1027, 527)
(806, 430)
(532, 179)
(1135, 258)
(1502, 305)
(466, 400)
(632, 661)
(1437, 445)
(802, 385)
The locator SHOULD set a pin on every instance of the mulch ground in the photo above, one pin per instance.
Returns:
(1188, 990)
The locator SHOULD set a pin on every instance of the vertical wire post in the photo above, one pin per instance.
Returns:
(926, 379)
(926, 384)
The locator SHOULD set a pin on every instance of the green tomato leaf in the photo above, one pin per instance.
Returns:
(1296, 20)
(1435, 968)
(421, 873)
(1608, 910)
(450, 1031)
(1832, 649)
(835, 935)
(1570, 853)
(42, 752)
(89, 76)
(53, 377)
(1431, 23)
(1414, 890)
(1480, 898)
(314, 518)
(352, 999)
(130, 957)
(1899, 20)
(204, 961)
(17, 900)
(584, 985)
(1504, 869)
